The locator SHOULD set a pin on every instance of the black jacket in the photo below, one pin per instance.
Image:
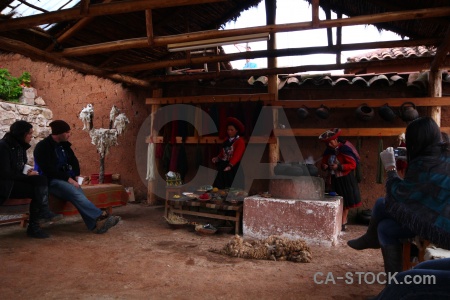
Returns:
(47, 160)
(9, 164)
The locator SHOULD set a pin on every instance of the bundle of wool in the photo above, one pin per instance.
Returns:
(272, 248)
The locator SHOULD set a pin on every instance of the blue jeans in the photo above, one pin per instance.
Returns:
(64, 190)
(390, 232)
(439, 269)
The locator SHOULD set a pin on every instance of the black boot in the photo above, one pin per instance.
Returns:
(369, 240)
(34, 230)
(45, 215)
(392, 257)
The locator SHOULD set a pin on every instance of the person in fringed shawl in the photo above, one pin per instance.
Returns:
(418, 204)
(340, 159)
(228, 161)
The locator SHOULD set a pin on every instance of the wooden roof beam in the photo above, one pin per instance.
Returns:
(94, 10)
(441, 52)
(210, 34)
(74, 29)
(273, 53)
(422, 62)
(34, 53)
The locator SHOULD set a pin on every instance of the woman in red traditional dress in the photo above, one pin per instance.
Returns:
(228, 161)
(340, 159)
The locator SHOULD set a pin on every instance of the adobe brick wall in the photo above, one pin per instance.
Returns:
(66, 92)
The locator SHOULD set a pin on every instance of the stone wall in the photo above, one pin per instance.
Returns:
(66, 92)
(38, 116)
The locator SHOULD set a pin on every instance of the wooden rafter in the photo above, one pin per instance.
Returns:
(210, 34)
(94, 10)
(149, 26)
(84, 6)
(441, 52)
(33, 53)
(315, 13)
(72, 30)
(32, 6)
(274, 53)
(421, 62)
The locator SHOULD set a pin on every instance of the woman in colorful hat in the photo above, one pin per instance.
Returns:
(340, 159)
(229, 158)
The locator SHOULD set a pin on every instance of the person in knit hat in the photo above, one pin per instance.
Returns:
(57, 161)
(18, 180)
(59, 126)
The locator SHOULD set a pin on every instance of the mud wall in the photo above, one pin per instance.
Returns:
(66, 92)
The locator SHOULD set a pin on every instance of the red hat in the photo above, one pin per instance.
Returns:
(237, 124)
(330, 135)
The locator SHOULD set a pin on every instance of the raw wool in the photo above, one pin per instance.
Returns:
(272, 248)
(86, 116)
(113, 113)
(103, 139)
(120, 123)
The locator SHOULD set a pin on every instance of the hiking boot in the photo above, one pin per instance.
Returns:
(103, 224)
(34, 231)
(116, 220)
(50, 217)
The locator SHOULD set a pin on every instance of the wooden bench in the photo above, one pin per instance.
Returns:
(15, 207)
(104, 196)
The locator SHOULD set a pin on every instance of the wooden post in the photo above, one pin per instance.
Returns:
(151, 187)
(435, 90)
(271, 7)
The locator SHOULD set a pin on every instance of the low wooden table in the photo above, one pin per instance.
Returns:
(184, 205)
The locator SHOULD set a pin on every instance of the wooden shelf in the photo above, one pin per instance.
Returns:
(353, 103)
(211, 99)
(298, 132)
(213, 140)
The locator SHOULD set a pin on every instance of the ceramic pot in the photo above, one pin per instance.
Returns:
(408, 112)
(323, 112)
(302, 112)
(387, 113)
(364, 112)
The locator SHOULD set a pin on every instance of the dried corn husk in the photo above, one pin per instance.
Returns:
(272, 248)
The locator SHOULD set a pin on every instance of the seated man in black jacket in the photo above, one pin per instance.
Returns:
(18, 182)
(56, 160)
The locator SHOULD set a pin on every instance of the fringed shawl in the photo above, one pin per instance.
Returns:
(421, 201)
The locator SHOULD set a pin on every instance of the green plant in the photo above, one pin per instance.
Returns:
(10, 88)
(25, 79)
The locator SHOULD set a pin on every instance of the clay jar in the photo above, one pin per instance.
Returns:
(408, 112)
(364, 112)
(323, 112)
(387, 113)
(302, 112)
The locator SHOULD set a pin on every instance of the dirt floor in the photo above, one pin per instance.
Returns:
(142, 258)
